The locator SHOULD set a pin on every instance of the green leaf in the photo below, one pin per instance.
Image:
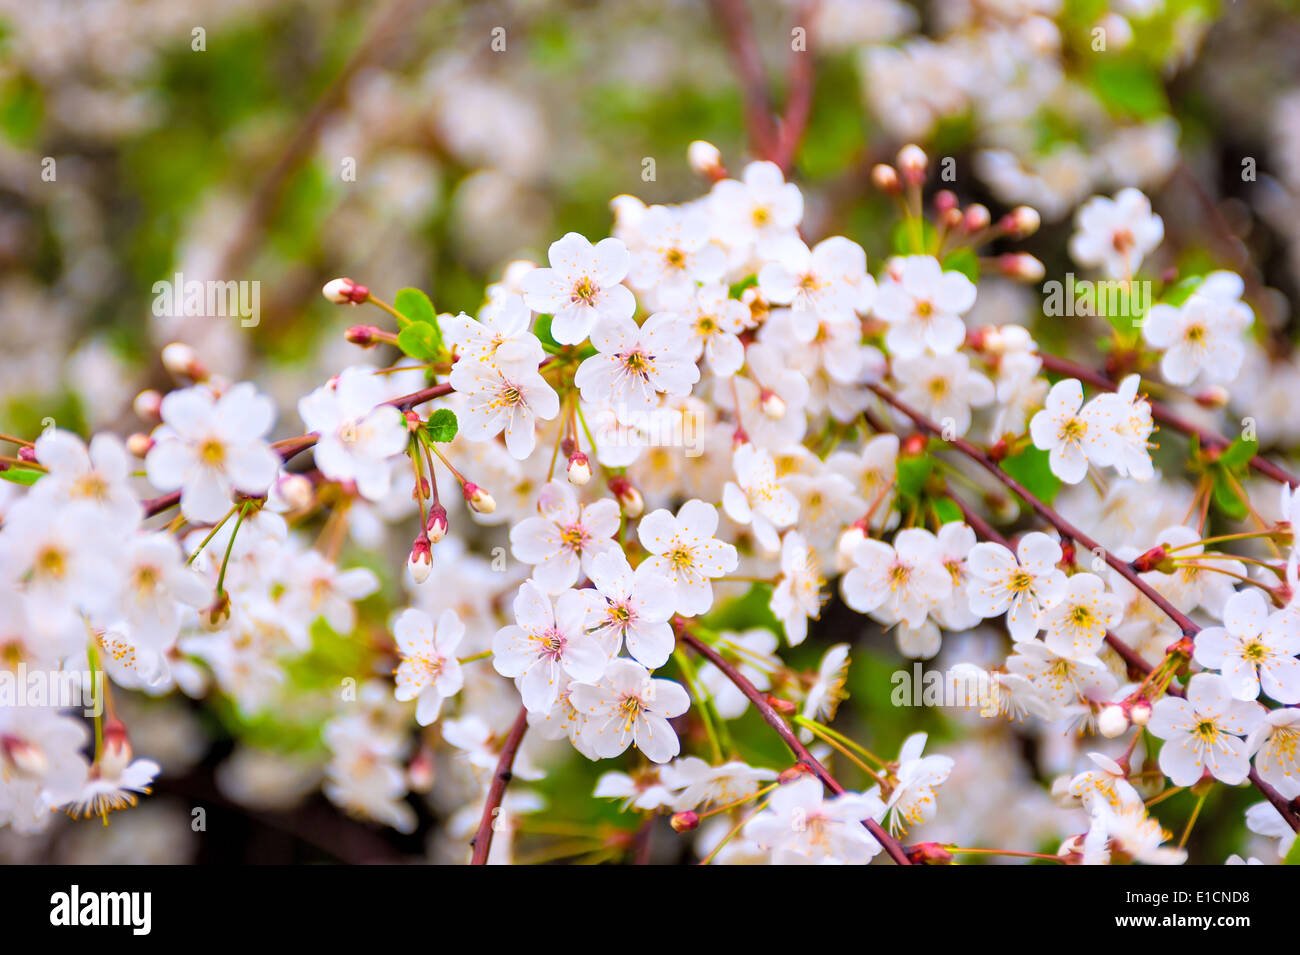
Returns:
(1031, 468)
(24, 476)
(416, 306)
(441, 426)
(1238, 454)
(948, 511)
(964, 261)
(913, 472)
(1129, 87)
(912, 237)
(420, 340)
(738, 288)
(1227, 500)
(542, 329)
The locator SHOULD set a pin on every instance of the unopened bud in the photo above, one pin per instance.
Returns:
(977, 218)
(780, 705)
(139, 444)
(579, 469)
(685, 821)
(1213, 396)
(945, 200)
(772, 404)
(1139, 713)
(26, 454)
(629, 498)
(885, 178)
(116, 754)
(183, 362)
(1021, 266)
(1111, 722)
(363, 335)
(344, 291)
(1023, 221)
(912, 163)
(479, 499)
(435, 528)
(148, 406)
(928, 853)
(1157, 558)
(913, 445)
(705, 159)
(420, 562)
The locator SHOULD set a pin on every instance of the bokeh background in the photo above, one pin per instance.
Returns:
(216, 138)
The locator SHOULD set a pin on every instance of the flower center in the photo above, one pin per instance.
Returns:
(584, 290)
(212, 452)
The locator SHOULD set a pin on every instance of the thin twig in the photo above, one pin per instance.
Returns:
(497, 791)
(774, 720)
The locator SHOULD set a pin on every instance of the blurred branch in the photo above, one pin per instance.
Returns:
(770, 137)
(774, 720)
(385, 29)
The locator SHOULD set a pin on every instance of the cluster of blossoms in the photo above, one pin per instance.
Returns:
(699, 408)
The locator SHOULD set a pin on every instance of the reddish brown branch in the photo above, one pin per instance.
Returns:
(1066, 529)
(497, 790)
(1167, 417)
(774, 720)
(733, 17)
(1135, 663)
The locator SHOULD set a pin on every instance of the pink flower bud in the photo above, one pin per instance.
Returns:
(579, 469)
(139, 444)
(182, 361)
(629, 498)
(363, 335)
(885, 178)
(420, 562)
(479, 499)
(705, 160)
(912, 163)
(344, 291)
(148, 406)
(435, 528)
